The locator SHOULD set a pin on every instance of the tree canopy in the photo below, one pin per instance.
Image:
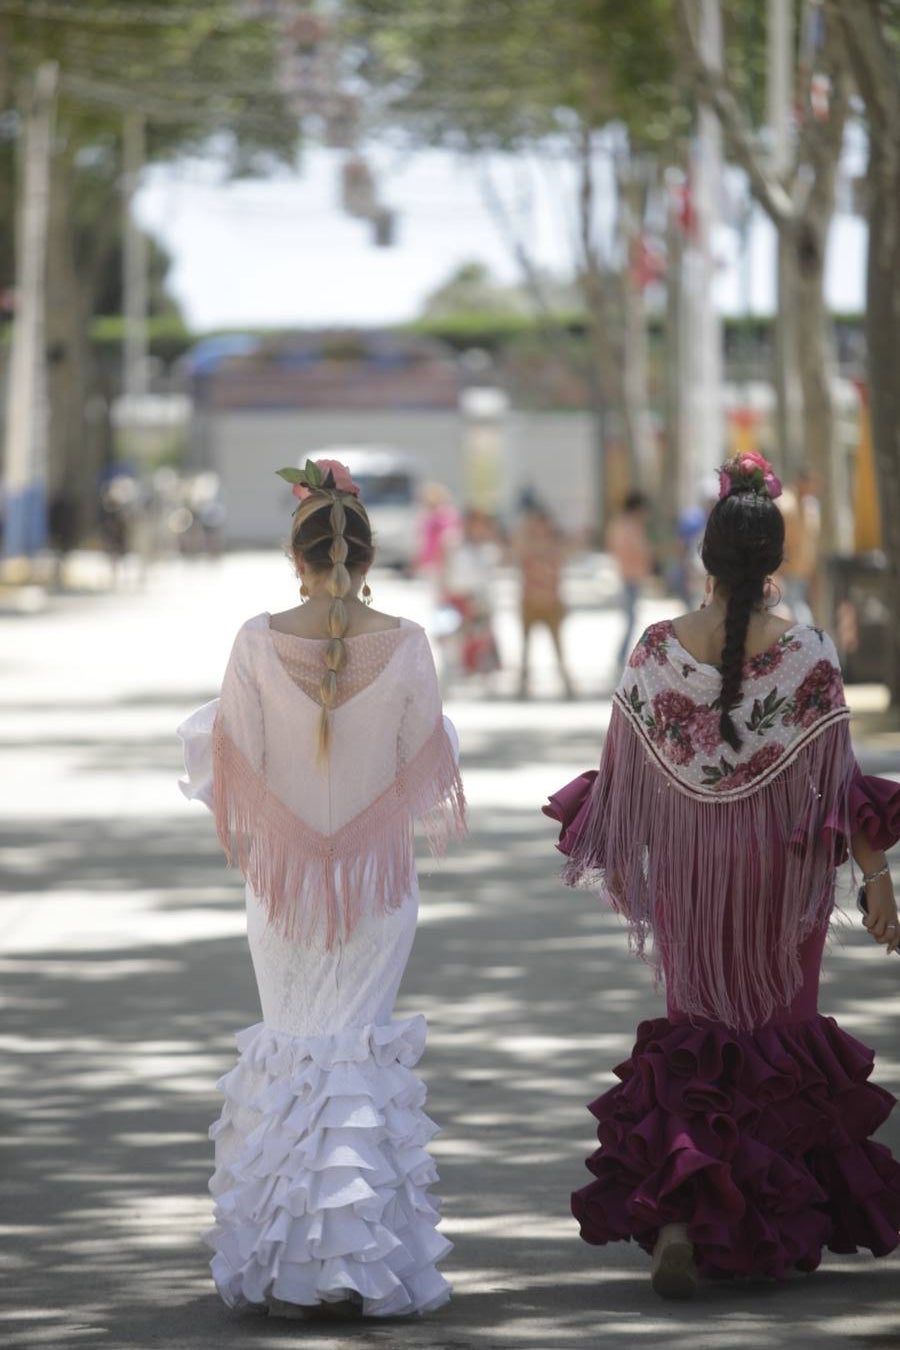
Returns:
(502, 73)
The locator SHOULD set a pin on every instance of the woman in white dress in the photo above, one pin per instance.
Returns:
(326, 743)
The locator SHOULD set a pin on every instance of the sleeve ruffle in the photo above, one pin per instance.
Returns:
(874, 808)
(570, 806)
(196, 734)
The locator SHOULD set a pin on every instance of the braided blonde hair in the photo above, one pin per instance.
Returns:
(326, 544)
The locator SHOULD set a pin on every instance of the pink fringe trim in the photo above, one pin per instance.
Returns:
(726, 890)
(315, 886)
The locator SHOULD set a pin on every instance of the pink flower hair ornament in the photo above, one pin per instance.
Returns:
(318, 475)
(749, 472)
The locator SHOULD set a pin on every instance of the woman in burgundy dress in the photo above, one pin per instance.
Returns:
(738, 1139)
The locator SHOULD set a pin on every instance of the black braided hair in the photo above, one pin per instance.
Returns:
(742, 546)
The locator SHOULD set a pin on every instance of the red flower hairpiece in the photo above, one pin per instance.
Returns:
(749, 472)
(318, 475)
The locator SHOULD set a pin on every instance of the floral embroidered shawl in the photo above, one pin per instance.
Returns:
(724, 859)
(322, 843)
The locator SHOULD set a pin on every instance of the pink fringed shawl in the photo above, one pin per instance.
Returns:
(725, 860)
(321, 844)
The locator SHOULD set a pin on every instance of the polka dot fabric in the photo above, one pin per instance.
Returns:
(367, 655)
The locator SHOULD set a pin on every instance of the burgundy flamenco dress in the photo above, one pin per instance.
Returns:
(743, 1113)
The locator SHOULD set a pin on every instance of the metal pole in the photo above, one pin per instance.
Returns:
(25, 525)
(134, 261)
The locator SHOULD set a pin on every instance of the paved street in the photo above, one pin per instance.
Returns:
(125, 974)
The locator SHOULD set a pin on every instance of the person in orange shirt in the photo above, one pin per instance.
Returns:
(539, 549)
(802, 536)
(626, 540)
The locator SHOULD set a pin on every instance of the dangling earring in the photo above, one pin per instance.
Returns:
(366, 593)
(304, 593)
(771, 594)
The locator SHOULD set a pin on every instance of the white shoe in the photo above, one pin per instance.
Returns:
(674, 1273)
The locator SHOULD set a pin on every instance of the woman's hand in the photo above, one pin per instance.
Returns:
(881, 913)
(880, 917)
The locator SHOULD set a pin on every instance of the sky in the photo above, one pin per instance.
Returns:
(280, 252)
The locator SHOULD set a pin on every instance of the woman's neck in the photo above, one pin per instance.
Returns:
(317, 592)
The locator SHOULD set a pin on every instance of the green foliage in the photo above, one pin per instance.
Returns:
(206, 83)
(501, 74)
(163, 328)
(745, 55)
(210, 75)
(472, 289)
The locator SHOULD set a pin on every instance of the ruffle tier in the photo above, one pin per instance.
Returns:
(758, 1141)
(321, 1173)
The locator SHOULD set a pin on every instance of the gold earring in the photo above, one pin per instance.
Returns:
(366, 593)
(304, 593)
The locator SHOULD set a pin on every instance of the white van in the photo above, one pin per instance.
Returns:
(389, 488)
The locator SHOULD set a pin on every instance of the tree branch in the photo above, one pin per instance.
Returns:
(873, 63)
(821, 140)
(713, 88)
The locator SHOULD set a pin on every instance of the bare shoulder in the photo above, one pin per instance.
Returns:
(372, 621)
(289, 621)
(307, 622)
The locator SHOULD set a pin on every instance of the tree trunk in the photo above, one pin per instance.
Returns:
(597, 285)
(815, 366)
(883, 335)
(785, 375)
(635, 391)
(671, 356)
(72, 476)
(873, 58)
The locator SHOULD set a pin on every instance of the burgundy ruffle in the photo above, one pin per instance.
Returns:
(570, 806)
(874, 808)
(757, 1140)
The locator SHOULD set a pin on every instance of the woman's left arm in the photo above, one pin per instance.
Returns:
(880, 918)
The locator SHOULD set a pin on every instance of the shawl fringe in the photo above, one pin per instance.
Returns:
(315, 886)
(724, 890)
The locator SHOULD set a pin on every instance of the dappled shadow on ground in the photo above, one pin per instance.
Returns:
(114, 1042)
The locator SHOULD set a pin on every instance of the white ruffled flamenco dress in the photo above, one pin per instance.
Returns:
(321, 1171)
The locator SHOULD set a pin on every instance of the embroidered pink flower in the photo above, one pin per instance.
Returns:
(672, 706)
(758, 763)
(339, 472)
(673, 715)
(772, 657)
(818, 694)
(705, 731)
(653, 645)
(764, 758)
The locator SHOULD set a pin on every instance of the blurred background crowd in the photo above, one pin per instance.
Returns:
(536, 273)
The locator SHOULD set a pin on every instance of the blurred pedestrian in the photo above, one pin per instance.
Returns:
(118, 508)
(627, 542)
(802, 542)
(738, 1142)
(326, 744)
(469, 571)
(62, 531)
(439, 529)
(539, 550)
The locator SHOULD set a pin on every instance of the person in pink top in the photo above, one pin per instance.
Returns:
(738, 1141)
(326, 744)
(626, 540)
(440, 526)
